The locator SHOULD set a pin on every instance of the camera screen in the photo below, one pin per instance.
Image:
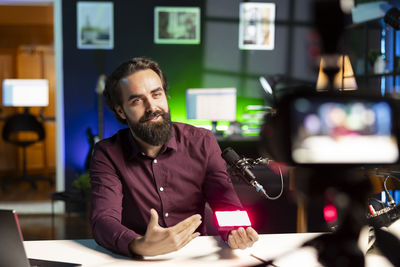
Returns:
(345, 131)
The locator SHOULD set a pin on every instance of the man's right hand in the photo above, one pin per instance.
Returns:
(159, 240)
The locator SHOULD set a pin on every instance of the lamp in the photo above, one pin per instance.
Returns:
(25, 92)
(23, 129)
(343, 79)
(265, 85)
(269, 84)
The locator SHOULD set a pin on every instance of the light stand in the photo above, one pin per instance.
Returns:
(269, 84)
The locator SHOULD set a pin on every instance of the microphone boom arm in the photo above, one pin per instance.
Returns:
(242, 167)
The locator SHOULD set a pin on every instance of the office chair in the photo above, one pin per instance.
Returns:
(14, 126)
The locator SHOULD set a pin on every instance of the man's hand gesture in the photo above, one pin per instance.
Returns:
(242, 238)
(159, 240)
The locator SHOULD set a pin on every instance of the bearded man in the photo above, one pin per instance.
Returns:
(150, 182)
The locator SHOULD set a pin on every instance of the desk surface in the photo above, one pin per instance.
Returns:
(202, 251)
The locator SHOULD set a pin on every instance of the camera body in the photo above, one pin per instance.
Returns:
(325, 129)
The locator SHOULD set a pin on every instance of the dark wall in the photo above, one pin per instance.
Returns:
(215, 62)
(133, 36)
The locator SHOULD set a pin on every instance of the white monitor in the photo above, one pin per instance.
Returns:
(213, 104)
(25, 92)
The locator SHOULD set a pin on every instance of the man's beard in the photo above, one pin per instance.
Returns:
(153, 133)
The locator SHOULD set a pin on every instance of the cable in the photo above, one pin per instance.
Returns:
(386, 214)
(389, 196)
(267, 161)
(264, 262)
(280, 193)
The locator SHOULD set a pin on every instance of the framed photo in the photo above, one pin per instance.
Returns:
(257, 26)
(95, 25)
(177, 25)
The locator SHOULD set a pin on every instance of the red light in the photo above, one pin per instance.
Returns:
(232, 218)
(330, 213)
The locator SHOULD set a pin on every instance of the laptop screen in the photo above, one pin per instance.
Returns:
(12, 251)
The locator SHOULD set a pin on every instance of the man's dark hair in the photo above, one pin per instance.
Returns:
(112, 92)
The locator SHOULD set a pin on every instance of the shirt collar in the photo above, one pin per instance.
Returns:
(135, 150)
(171, 144)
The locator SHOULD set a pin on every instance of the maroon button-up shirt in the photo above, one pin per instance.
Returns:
(188, 172)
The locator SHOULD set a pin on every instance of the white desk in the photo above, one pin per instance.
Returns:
(202, 251)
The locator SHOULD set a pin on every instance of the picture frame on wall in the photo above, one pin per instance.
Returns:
(257, 26)
(95, 25)
(176, 25)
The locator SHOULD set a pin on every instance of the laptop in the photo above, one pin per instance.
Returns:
(12, 251)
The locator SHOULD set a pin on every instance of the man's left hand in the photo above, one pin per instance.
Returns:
(242, 238)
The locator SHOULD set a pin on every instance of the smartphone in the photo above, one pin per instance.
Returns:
(228, 220)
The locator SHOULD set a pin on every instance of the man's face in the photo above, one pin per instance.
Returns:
(145, 107)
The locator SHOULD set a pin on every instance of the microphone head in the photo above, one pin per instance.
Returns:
(230, 156)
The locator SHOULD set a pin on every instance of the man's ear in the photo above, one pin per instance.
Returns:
(120, 112)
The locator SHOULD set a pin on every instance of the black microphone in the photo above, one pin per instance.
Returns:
(242, 168)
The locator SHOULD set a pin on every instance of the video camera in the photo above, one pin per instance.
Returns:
(331, 139)
(328, 137)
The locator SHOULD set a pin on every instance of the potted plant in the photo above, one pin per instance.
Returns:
(82, 183)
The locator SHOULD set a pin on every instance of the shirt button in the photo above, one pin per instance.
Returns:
(155, 161)
(161, 188)
(166, 214)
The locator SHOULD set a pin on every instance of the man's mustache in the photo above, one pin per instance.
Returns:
(152, 115)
